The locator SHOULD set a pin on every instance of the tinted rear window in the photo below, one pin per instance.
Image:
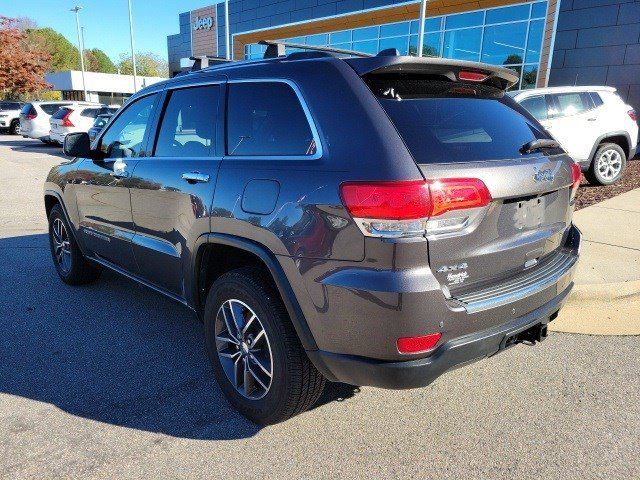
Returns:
(446, 122)
(60, 113)
(26, 109)
(51, 108)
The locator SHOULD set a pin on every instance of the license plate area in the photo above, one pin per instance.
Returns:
(529, 213)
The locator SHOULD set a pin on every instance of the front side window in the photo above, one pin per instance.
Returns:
(125, 136)
(188, 126)
(267, 119)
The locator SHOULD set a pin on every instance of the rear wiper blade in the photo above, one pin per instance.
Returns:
(539, 144)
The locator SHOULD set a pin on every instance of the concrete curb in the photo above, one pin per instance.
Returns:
(601, 309)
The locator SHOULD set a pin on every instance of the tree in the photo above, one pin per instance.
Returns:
(23, 65)
(147, 65)
(64, 56)
(97, 61)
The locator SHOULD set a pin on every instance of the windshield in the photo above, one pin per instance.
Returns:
(101, 120)
(442, 121)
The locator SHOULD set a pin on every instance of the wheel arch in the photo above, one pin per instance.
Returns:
(620, 138)
(217, 253)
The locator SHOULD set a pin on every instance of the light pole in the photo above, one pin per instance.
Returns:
(226, 28)
(76, 10)
(423, 14)
(133, 50)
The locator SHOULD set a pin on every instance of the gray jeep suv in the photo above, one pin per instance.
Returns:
(369, 220)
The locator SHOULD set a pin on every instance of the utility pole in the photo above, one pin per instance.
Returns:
(226, 28)
(76, 10)
(423, 14)
(133, 50)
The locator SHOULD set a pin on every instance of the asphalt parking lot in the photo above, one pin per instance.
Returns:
(111, 381)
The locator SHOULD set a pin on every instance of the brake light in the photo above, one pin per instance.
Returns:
(632, 115)
(65, 120)
(472, 76)
(31, 115)
(402, 209)
(576, 173)
(422, 344)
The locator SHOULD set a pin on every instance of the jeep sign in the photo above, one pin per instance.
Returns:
(203, 23)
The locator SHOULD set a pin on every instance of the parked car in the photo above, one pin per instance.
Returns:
(593, 124)
(98, 124)
(429, 228)
(77, 117)
(10, 116)
(34, 119)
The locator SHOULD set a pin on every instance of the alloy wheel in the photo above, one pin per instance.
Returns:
(61, 245)
(244, 349)
(609, 164)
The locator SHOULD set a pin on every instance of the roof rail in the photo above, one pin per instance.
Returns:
(277, 49)
(204, 61)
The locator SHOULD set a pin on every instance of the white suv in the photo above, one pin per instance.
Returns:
(593, 124)
(10, 116)
(34, 119)
(77, 117)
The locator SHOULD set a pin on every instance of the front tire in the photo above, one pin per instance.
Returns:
(607, 166)
(72, 266)
(256, 355)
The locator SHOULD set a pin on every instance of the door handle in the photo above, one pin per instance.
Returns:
(195, 177)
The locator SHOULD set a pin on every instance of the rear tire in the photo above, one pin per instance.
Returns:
(71, 265)
(293, 385)
(607, 166)
(14, 127)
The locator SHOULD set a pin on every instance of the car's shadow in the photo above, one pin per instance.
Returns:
(19, 144)
(112, 351)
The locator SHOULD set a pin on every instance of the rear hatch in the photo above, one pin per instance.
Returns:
(59, 121)
(470, 129)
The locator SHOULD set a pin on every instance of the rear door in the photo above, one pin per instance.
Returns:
(173, 189)
(459, 130)
(102, 186)
(574, 123)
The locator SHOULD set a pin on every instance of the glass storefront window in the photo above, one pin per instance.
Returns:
(461, 20)
(463, 44)
(536, 27)
(495, 35)
(507, 14)
(504, 44)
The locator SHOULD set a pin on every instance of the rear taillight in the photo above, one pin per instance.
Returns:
(422, 344)
(472, 76)
(576, 174)
(632, 115)
(31, 115)
(65, 120)
(405, 209)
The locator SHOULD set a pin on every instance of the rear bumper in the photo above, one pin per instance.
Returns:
(454, 353)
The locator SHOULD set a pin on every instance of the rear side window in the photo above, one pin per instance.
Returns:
(568, 104)
(90, 112)
(51, 108)
(536, 106)
(596, 99)
(267, 119)
(188, 126)
(447, 122)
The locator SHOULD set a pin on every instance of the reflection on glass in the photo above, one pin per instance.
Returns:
(394, 29)
(463, 44)
(462, 20)
(535, 41)
(368, 46)
(507, 14)
(504, 44)
(399, 43)
(539, 10)
(529, 76)
(317, 40)
(340, 37)
(366, 33)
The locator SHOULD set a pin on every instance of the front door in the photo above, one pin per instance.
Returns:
(172, 189)
(102, 186)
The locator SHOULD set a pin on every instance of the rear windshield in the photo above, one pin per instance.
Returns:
(59, 114)
(448, 122)
(26, 109)
(51, 108)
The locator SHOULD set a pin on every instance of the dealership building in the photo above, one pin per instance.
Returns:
(550, 42)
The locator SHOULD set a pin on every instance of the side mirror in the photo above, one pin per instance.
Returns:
(78, 144)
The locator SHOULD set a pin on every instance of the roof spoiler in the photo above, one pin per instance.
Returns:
(455, 70)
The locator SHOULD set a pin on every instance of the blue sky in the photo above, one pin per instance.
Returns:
(106, 22)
